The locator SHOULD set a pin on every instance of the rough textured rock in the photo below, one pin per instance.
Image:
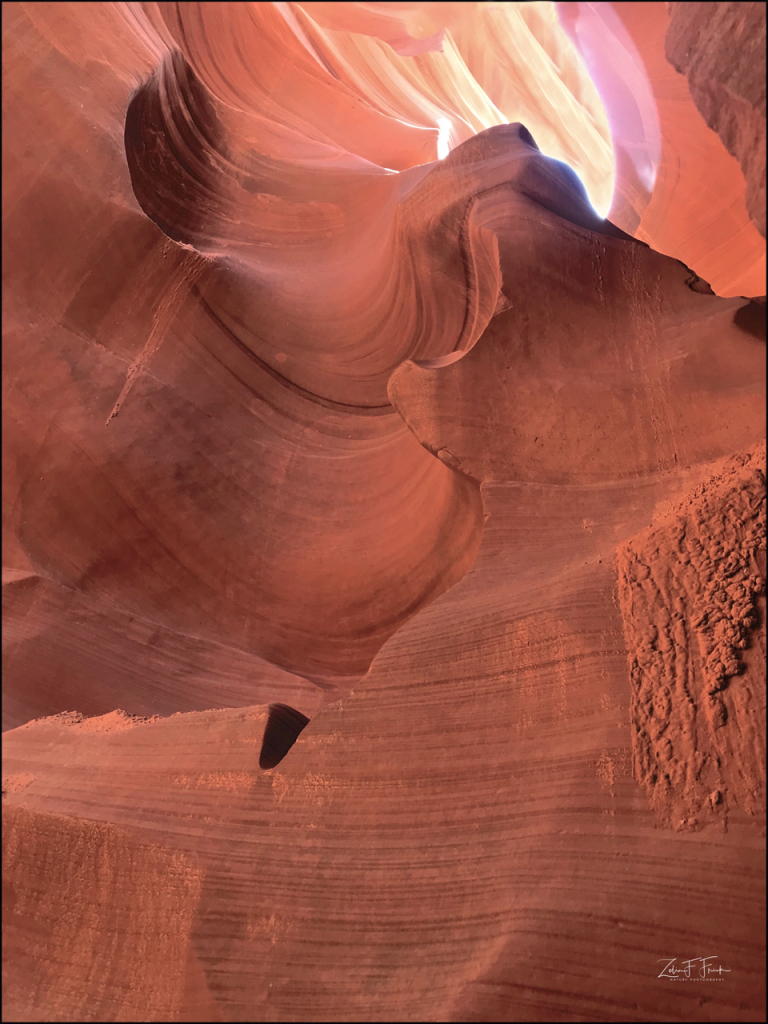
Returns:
(689, 588)
(363, 483)
(721, 48)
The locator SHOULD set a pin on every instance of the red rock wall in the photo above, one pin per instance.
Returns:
(386, 497)
(677, 186)
(689, 590)
(721, 49)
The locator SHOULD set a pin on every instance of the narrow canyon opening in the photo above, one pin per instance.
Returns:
(283, 727)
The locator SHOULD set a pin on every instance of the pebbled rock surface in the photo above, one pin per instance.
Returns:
(690, 590)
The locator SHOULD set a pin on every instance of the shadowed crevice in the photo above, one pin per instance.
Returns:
(751, 318)
(176, 155)
(283, 727)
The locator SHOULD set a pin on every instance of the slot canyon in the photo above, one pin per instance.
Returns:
(384, 540)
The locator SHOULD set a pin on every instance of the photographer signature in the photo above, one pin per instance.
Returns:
(697, 969)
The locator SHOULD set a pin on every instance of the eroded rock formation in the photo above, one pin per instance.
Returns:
(721, 48)
(412, 514)
(689, 588)
(669, 163)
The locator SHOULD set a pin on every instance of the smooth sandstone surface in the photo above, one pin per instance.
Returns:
(412, 515)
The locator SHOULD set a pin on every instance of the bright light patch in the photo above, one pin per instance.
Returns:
(530, 72)
(600, 206)
(444, 126)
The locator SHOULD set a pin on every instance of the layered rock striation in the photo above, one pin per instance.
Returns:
(411, 513)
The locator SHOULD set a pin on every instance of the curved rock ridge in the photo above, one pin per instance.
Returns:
(425, 279)
(259, 184)
(337, 75)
